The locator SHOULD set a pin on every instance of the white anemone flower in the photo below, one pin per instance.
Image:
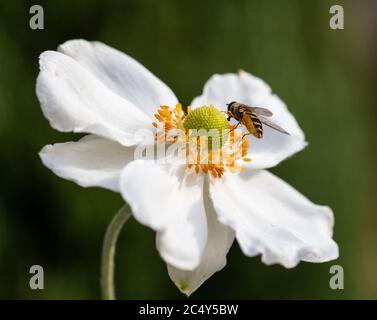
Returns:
(91, 88)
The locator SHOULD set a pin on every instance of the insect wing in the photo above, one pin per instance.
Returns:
(260, 111)
(272, 125)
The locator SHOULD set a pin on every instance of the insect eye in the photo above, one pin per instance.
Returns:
(230, 104)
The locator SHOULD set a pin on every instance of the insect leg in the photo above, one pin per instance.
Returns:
(244, 135)
(235, 126)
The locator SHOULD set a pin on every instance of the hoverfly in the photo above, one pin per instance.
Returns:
(252, 118)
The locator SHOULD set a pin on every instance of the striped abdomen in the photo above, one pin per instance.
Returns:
(253, 124)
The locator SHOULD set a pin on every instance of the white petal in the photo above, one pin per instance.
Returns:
(90, 162)
(73, 99)
(248, 89)
(170, 201)
(122, 74)
(273, 219)
(220, 239)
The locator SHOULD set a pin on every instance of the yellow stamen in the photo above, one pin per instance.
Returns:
(199, 155)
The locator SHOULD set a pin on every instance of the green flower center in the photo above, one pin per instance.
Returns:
(210, 122)
(202, 127)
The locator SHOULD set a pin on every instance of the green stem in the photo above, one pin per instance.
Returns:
(108, 252)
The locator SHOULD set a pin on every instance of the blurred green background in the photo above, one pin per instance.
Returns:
(327, 78)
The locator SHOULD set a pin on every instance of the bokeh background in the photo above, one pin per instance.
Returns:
(327, 78)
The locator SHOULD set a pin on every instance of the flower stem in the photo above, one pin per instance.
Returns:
(108, 252)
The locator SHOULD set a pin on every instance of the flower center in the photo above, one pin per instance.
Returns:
(210, 144)
(210, 122)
